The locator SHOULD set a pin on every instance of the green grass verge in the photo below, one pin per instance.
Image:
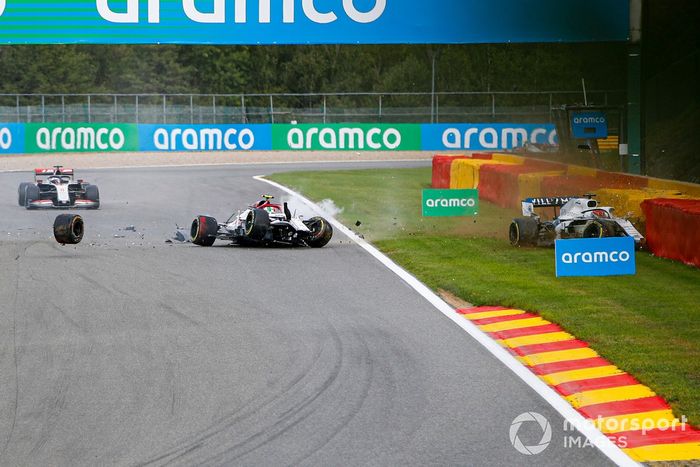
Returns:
(647, 324)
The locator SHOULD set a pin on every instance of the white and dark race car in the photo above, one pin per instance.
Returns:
(578, 217)
(263, 223)
(57, 188)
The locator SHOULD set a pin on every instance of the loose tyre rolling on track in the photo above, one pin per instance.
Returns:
(68, 229)
(579, 217)
(263, 223)
(59, 190)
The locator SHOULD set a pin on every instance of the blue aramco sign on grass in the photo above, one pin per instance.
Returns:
(437, 203)
(613, 256)
(311, 21)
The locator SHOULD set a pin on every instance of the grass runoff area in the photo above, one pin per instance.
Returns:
(647, 324)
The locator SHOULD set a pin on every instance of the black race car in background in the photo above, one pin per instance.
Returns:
(263, 223)
(57, 188)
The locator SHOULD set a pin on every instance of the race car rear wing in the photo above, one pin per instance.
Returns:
(530, 204)
(53, 171)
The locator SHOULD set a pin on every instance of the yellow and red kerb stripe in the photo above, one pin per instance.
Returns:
(612, 399)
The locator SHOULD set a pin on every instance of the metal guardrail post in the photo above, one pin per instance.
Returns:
(380, 107)
(325, 110)
(19, 118)
(191, 110)
(89, 112)
(43, 109)
(137, 109)
(165, 115)
(272, 110)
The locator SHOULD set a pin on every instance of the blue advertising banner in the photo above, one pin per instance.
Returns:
(589, 125)
(11, 138)
(205, 137)
(486, 136)
(612, 256)
(311, 21)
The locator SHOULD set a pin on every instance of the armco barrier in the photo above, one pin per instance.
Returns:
(569, 185)
(683, 187)
(627, 203)
(442, 167)
(500, 184)
(465, 172)
(673, 229)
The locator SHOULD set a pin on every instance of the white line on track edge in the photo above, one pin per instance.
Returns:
(598, 439)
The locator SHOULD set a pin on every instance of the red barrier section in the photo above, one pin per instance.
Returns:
(570, 185)
(484, 156)
(442, 166)
(621, 180)
(499, 183)
(673, 228)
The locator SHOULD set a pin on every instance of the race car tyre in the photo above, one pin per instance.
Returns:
(257, 223)
(22, 191)
(523, 231)
(321, 232)
(68, 229)
(92, 193)
(31, 193)
(598, 229)
(204, 230)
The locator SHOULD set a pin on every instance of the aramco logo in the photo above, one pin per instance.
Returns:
(2, 7)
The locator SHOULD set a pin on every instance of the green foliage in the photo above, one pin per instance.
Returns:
(210, 69)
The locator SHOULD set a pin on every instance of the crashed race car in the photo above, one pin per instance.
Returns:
(578, 217)
(57, 188)
(263, 223)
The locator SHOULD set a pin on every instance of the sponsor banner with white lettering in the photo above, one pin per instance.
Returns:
(205, 137)
(447, 203)
(610, 256)
(80, 137)
(347, 137)
(485, 136)
(311, 21)
(19, 138)
(11, 138)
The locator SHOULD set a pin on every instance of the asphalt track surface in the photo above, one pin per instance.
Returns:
(127, 350)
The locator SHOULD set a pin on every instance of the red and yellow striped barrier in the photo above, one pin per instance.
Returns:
(629, 413)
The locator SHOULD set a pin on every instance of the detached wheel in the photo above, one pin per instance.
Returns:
(68, 229)
(92, 193)
(204, 230)
(257, 223)
(321, 232)
(524, 231)
(31, 193)
(22, 193)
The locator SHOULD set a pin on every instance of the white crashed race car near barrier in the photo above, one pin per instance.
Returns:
(57, 188)
(263, 223)
(578, 217)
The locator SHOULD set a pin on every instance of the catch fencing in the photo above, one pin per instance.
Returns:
(439, 107)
